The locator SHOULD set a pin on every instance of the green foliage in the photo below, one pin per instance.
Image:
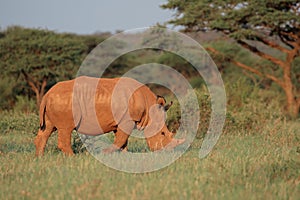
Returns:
(77, 145)
(196, 82)
(33, 60)
(231, 51)
(255, 25)
(238, 18)
(178, 63)
(296, 72)
(18, 122)
(6, 92)
(135, 58)
(24, 104)
(249, 108)
(40, 53)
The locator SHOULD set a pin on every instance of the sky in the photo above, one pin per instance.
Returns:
(83, 17)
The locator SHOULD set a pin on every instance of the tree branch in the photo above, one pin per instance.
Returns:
(272, 44)
(248, 68)
(251, 76)
(289, 38)
(30, 82)
(276, 80)
(284, 40)
(33, 86)
(288, 35)
(296, 8)
(43, 86)
(261, 54)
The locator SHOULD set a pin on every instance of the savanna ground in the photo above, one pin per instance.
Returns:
(257, 157)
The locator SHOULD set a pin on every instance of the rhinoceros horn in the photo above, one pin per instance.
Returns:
(174, 142)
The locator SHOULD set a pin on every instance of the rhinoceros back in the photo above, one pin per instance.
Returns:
(99, 105)
(83, 107)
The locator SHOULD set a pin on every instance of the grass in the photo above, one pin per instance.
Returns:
(250, 164)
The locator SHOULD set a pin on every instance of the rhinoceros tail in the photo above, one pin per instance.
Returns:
(42, 114)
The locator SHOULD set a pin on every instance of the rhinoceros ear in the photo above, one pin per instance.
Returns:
(166, 107)
(160, 100)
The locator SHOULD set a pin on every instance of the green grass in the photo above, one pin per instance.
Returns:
(250, 164)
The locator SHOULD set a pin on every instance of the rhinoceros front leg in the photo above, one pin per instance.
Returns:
(124, 148)
(120, 142)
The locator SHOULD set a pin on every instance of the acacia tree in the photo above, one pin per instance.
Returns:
(40, 57)
(273, 23)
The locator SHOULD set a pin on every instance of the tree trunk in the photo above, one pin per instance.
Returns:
(38, 99)
(288, 87)
(37, 88)
(292, 102)
(38, 94)
(41, 92)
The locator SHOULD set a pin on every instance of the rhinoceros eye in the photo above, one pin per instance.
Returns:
(163, 133)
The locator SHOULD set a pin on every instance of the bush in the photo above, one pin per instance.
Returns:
(174, 114)
(249, 108)
(25, 105)
(6, 92)
(18, 122)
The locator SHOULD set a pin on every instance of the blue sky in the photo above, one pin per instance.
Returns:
(82, 17)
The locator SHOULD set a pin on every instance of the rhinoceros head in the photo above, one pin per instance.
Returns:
(157, 134)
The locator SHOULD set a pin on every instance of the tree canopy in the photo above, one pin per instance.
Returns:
(41, 57)
(251, 23)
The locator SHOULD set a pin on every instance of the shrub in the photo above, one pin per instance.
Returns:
(25, 105)
(18, 122)
(249, 108)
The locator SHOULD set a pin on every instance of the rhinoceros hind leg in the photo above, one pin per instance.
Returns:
(42, 138)
(64, 141)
